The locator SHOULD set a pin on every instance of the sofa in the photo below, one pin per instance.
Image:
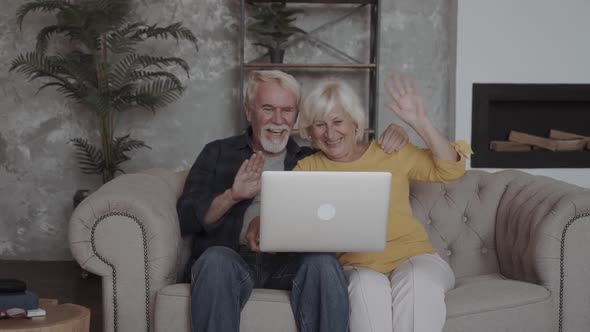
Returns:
(519, 246)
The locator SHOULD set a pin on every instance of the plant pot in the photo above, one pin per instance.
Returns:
(79, 196)
(276, 55)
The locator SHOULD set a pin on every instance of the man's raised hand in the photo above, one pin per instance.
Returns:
(247, 182)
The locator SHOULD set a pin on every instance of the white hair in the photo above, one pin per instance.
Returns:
(323, 99)
(283, 79)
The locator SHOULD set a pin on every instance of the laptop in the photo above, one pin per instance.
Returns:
(324, 211)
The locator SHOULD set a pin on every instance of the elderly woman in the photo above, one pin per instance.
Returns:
(403, 287)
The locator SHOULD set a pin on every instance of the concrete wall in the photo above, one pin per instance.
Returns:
(38, 173)
(415, 42)
(526, 41)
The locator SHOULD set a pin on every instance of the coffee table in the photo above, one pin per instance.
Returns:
(60, 318)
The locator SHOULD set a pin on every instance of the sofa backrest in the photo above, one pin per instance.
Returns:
(175, 180)
(460, 219)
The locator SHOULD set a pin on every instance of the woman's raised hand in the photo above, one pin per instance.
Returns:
(406, 101)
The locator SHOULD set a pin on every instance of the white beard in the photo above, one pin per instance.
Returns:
(274, 146)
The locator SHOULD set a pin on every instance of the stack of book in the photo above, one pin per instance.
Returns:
(14, 296)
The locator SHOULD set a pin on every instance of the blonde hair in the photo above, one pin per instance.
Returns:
(283, 79)
(322, 100)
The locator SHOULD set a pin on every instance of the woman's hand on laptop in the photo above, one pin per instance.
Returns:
(253, 234)
(247, 182)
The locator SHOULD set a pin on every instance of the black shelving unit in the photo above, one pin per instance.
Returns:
(371, 64)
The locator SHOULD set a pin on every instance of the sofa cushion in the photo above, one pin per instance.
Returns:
(173, 310)
(475, 304)
(480, 303)
(274, 306)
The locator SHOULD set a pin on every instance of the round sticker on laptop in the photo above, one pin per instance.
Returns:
(326, 212)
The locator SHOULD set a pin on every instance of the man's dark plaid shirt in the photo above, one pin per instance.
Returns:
(212, 173)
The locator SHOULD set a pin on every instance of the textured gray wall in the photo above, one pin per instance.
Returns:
(415, 42)
(38, 174)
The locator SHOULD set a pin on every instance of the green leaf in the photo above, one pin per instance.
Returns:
(128, 70)
(148, 61)
(275, 22)
(96, 101)
(293, 30)
(158, 93)
(100, 67)
(174, 30)
(122, 146)
(46, 85)
(264, 45)
(106, 15)
(147, 75)
(290, 12)
(43, 6)
(90, 159)
(34, 65)
(45, 34)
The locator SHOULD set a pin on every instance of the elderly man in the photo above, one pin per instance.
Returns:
(220, 206)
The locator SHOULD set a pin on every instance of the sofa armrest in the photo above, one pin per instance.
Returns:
(127, 232)
(542, 236)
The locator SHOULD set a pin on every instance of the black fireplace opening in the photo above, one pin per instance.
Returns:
(533, 109)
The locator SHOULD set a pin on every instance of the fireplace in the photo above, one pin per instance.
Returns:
(533, 109)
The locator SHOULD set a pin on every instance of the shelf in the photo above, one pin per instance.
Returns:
(307, 65)
(365, 66)
(344, 2)
(531, 159)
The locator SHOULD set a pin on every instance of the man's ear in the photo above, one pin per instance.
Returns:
(247, 112)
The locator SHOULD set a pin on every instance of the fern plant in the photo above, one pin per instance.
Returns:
(273, 24)
(103, 70)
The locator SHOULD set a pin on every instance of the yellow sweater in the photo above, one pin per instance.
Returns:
(406, 237)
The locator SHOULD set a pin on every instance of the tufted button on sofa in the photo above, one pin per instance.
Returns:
(519, 246)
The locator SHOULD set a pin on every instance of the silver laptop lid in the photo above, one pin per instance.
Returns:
(324, 211)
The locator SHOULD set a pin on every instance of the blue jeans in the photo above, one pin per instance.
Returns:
(222, 281)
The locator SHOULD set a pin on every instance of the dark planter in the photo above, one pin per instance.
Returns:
(79, 196)
(276, 55)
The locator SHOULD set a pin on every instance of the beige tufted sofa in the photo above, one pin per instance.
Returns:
(519, 245)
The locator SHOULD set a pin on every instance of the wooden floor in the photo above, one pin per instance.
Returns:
(59, 280)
